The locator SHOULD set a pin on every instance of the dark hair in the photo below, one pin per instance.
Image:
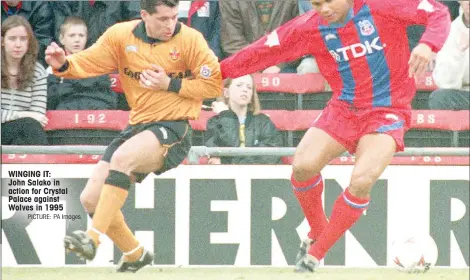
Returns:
(28, 62)
(151, 5)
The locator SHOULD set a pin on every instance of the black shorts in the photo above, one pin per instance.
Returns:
(174, 135)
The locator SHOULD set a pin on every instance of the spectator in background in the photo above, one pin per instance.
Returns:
(308, 63)
(204, 16)
(78, 94)
(24, 87)
(240, 124)
(451, 73)
(244, 22)
(39, 15)
(99, 15)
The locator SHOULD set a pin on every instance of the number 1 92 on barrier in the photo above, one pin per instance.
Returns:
(90, 118)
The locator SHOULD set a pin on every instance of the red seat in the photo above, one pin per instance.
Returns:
(105, 120)
(116, 83)
(441, 120)
(280, 118)
(201, 122)
(284, 120)
(50, 159)
(426, 83)
(290, 83)
(303, 120)
(421, 119)
(292, 120)
(293, 83)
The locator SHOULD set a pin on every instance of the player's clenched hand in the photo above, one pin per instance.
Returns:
(419, 60)
(55, 56)
(155, 78)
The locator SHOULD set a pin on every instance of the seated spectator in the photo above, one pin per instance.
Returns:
(98, 15)
(244, 22)
(451, 73)
(308, 63)
(24, 87)
(39, 15)
(82, 94)
(204, 16)
(240, 124)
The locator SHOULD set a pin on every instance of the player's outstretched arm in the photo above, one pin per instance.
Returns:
(434, 15)
(207, 80)
(99, 59)
(288, 42)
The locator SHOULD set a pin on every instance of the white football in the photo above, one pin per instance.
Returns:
(414, 254)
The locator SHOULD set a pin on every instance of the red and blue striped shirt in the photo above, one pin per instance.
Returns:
(365, 60)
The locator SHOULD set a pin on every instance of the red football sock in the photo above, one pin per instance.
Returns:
(346, 211)
(309, 194)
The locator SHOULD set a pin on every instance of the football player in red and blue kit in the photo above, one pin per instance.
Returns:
(361, 47)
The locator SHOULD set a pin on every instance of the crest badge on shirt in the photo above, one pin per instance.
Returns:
(366, 27)
(174, 54)
(330, 37)
(205, 72)
(131, 48)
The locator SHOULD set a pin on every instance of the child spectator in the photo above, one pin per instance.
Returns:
(24, 87)
(240, 124)
(83, 94)
(451, 73)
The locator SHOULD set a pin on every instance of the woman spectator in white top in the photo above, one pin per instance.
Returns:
(451, 73)
(24, 86)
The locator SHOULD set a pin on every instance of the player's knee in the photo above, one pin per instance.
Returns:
(361, 184)
(303, 170)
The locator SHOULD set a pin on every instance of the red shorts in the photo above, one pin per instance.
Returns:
(347, 124)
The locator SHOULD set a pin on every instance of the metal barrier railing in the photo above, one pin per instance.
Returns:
(200, 151)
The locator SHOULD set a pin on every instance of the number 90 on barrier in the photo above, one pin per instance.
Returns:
(270, 81)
